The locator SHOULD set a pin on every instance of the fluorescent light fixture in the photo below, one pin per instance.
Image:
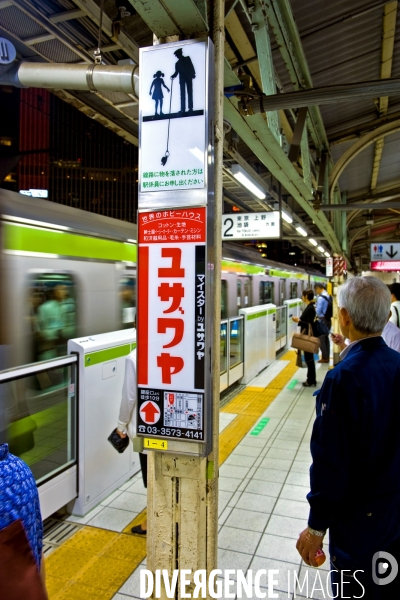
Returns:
(327, 254)
(321, 249)
(301, 230)
(313, 242)
(131, 241)
(247, 181)
(286, 217)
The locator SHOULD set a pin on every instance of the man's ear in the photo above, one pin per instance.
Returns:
(344, 316)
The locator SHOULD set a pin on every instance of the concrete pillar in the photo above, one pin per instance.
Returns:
(182, 513)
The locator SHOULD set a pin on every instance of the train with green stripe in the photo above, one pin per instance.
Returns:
(67, 273)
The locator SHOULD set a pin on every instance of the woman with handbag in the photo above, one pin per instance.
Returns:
(308, 318)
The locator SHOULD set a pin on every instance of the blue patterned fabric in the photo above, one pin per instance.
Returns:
(19, 499)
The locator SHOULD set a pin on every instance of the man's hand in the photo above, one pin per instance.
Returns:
(307, 546)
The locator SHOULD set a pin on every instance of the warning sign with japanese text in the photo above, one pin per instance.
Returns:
(171, 326)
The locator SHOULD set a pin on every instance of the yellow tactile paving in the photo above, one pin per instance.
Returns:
(94, 563)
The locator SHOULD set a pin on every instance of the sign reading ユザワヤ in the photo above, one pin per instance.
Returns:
(173, 117)
(175, 257)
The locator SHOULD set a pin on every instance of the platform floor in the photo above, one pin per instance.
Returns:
(264, 458)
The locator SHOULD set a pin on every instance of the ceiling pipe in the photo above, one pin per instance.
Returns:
(65, 76)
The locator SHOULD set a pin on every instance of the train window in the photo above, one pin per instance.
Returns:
(266, 292)
(224, 299)
(127, 295)
(293, 290)
(239, 294)
(52, 314)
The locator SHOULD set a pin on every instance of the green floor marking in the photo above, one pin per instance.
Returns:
(292, 384)
(259, 427)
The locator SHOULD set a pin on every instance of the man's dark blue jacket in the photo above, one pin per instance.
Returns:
(355, 446)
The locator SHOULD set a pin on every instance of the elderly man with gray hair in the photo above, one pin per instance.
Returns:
(355, 447)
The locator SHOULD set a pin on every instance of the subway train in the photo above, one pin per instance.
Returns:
(67, 273)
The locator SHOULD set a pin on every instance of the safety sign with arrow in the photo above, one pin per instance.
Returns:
(150, 412)
(385, 251)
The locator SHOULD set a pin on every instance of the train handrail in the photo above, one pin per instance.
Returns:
(32, 368)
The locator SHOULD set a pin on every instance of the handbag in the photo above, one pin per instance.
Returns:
(119, 443)
(299, 360)
(307, 343)
(320, 328)
(19, 576)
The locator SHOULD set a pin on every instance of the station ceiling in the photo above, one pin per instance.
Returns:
(349, 148)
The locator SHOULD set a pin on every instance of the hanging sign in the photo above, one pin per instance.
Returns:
(172, 106)
(385, 252)
(329, 267)
(172, 309)
(264, 225)
(175, 246)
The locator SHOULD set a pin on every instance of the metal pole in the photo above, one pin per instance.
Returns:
(212, 461)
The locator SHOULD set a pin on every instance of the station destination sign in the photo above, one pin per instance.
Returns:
(265, 225)
(175, 247)
(385, 251)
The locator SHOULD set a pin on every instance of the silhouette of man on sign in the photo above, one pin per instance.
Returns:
(185, 69)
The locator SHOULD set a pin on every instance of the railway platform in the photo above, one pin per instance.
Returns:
(264, 461)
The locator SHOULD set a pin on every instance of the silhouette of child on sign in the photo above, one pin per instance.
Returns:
(158, 84)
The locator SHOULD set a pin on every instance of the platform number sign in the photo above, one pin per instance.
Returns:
(241, 226)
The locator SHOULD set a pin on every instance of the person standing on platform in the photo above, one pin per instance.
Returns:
(390, 334)
(308, 318)
(355, 447)
(185, 69)
(395, 308)
(19, 501)
(324, 313)
(127, 421)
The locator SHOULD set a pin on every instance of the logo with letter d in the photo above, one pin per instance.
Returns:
(384, 568)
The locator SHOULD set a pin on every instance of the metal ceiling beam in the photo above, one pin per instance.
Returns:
(356, 148)
(363, 206)
(265, 62)
(96, 115)
(388, 33)
(67, 15)
(173, 17)
(92, 10)
(328, 95)
(258, 137)
(34, 13)
(280, 18)
(357, 127)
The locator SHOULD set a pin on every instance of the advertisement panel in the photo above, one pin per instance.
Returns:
(172, 309)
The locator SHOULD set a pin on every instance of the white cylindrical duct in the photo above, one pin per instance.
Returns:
(110, 78)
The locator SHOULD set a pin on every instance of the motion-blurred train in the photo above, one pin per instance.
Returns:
(67, 273)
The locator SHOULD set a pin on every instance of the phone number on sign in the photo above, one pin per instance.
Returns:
(178, 433)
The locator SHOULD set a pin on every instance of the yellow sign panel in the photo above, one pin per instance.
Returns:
(155, 444)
